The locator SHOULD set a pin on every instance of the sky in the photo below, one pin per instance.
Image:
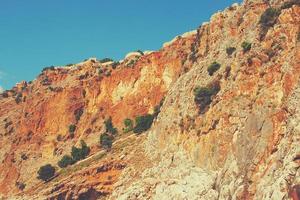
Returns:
(35, 34)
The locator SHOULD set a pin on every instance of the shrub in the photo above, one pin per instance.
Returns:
(143, 123)
(269, 17)
(46, 172)
(130, 64)
(106, 141)
(230, 50)
(72, 128)
(109, 126)
(18, 98)
(267, 20)
(70, 64)
(158, 107)
(213, 67)
(141, 52)
(128, 125)
(65, 161)
(246, 46)
(104, 60)
(203, 95)
(289, 4)
(78, 112)
(114, 65)
(20, 185)
(48, 68)
(80, 153)
(5, 94)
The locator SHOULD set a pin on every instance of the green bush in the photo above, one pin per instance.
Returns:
(65, 161)
(267, 20)
(213, 67)
(158, 107)
(72, 128)
(18, 98)
(143, 123)
(80, 153)
(46, 172)
(106, 141)
(78, 112)
(141, 52)
(230, 50)
(289, 4)
(203, 95)
(128, 123)
(109, 126)
(114, 65)
(104, 60)
(246, 46)
(269, 17)
(48, 68)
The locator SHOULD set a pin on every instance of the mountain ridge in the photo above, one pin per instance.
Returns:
(226, 95)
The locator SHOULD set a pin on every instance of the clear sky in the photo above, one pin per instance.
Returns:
(36, 33)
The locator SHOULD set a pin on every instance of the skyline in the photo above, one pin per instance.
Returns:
(37, 34)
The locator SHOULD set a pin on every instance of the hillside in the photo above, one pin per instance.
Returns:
(224, 100)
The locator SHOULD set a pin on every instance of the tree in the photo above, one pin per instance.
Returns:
(72, 128)
(80, 153)
(143, 123)
(128, 125)
(246, 46)
(46, 172)
(78, 112)
(230, 50)
(110, 127)
(65, 161)
(106, 141)
(203, 95)
(213, 67)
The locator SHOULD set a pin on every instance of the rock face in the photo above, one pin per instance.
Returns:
(244, 145)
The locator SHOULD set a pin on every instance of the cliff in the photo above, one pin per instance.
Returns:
(227, 128)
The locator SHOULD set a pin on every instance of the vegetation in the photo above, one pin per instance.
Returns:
(70, 64)
(289, 4)
(46, 172)
(128, 125)
(130, 64)
(18, 98)
(106, 141)
(204, 95)
(213, 67)
(114, 65)
(143, 123)
(104, 60)
(230, 50)
(72, 128)
(158, 107)
(5, 94)
(246, 46)
(269, 17)
(109, 126)
(65, 161)
(80, 153)
(267, 20)
(78, 112)
(48, 68)
(141, 52)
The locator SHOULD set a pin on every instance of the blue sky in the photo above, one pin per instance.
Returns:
(35, 33)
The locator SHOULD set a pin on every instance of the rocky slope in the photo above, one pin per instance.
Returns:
(243, 144)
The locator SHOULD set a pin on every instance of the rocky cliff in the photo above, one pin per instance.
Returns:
(227, 127)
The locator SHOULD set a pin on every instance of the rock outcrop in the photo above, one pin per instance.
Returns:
(243, 144)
